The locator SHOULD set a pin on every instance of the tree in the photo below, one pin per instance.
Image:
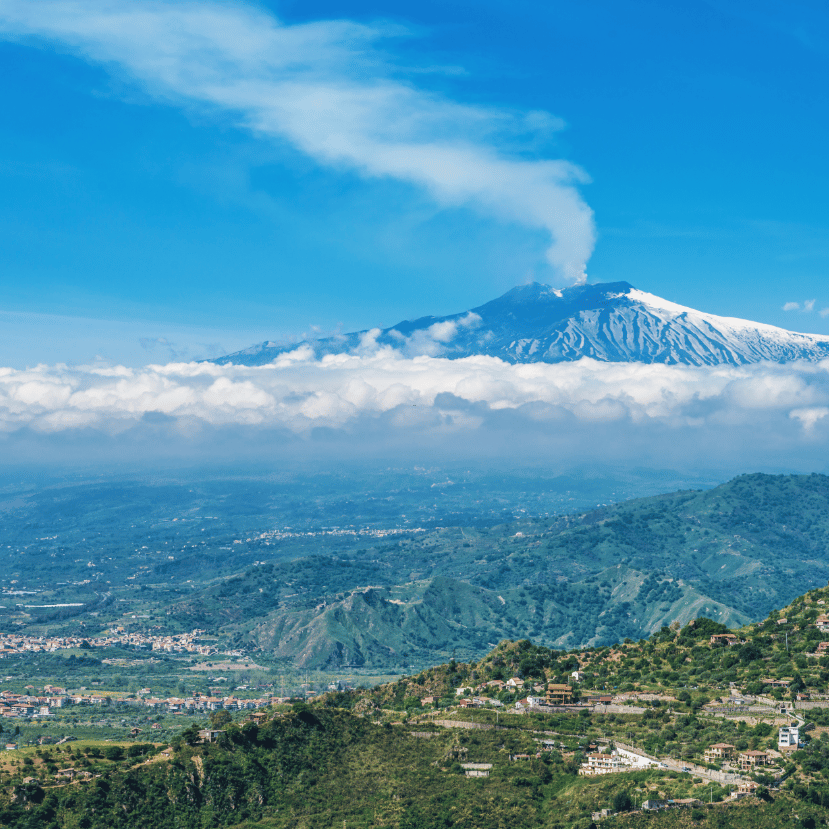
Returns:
(622, 802)
(190, 735)
(750, 652)
(219, 719)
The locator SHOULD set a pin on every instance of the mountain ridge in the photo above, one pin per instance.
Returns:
(610, 322)
(731, 553)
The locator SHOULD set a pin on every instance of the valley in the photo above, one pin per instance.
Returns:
(410, 587)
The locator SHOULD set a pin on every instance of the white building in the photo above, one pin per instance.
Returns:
(596, 764)
(788, 736)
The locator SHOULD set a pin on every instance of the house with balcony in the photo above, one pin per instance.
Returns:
(558, 694)
(718, 752)
(752, 759)
(596, 764)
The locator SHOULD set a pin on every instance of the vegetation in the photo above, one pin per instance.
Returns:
(381, 756)
(777, 657)
(217, 555)
(731, 553)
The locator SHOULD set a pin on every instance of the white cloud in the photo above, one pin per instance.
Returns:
(383, 405)
(328, 89)
(299, 393)
(809, 416)
(807, 307)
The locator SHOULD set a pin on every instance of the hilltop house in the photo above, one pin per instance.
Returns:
(725, 639)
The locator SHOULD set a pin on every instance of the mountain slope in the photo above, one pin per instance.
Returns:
(611, 322)
(732, 553)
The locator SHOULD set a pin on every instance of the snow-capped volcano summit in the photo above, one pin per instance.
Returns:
(612, 322)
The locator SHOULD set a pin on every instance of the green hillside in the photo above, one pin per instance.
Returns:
(319, 768)
(679, 660)
(731, 553)
(381, 757)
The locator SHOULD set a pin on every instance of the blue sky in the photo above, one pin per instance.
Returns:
(179, 191)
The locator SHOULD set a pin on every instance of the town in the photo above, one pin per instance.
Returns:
(191, 642)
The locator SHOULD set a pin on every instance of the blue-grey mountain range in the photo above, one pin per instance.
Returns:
(611, 322)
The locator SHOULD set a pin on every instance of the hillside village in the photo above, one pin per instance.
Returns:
(692, 720)
(760, 692)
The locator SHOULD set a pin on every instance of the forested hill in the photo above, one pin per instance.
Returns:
(782, 647)
(731, 553)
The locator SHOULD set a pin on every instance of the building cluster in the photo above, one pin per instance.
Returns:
(192, 642)
(41, 705)
(549, 694)
(494, 686)
(745, 788)
(53, 697)
(788, 739)
(279, 535)
(200, 702)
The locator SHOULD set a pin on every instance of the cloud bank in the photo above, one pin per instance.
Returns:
(329, 90)
(757, 415)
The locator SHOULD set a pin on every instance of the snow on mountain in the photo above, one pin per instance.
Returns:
(612, 322)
